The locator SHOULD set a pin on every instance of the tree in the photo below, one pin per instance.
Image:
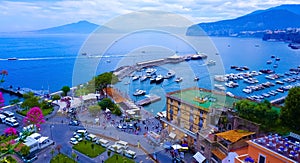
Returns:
(56, 97)
(65, 90)
(108, 153)
(58, 148)
(30, 101)
(94, 109)
(25, 150)
(106, 103)
(34, 116)
(291, 110)
(3, 73)
(1, 100)
(10, 131)
(74, 155)
(105, 79)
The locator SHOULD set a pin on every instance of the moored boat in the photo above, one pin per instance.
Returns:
(170, 74)
(159, 79)
(139, 92)
(12, 59)
(179, 79)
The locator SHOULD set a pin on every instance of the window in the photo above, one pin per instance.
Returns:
(261, 158)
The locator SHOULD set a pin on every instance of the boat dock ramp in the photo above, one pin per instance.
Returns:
(149, 99)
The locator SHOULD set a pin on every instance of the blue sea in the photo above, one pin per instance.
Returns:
(48, 62)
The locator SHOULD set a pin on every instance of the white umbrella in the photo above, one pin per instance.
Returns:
(176, 146)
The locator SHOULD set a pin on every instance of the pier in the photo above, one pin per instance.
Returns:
(148, 100)
(126, 70)
(12, 92)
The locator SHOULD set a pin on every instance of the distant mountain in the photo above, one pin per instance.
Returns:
(82, 27)
(280, 17)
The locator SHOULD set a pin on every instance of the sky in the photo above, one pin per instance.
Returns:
(24, 15)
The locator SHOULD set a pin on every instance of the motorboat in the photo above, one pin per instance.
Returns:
(143, 78)
(277, 59)
(135, 77)
(269, 61)
(247, 90)
(139, 92)
(159, 79)
(196, 78)
(211, 63)
(150, 71)
(170, 74)
(179, 79)
(220, 87)
(231, 84)
(230, 94)
(279, 82)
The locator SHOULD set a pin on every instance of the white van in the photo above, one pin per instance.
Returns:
(11, 122)
(129, 153)
(102, 142)
(81, 133)
(116, 148)
(91, 137)
(121, 143)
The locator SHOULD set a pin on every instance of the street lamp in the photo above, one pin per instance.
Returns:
(51, 126)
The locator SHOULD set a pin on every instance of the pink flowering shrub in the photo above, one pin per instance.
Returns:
(10, 131)
(1, 100)
(34, 116)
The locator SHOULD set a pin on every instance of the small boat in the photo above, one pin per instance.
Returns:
(277, 59)
(280, 90)
(139, 92)
(143, 78)
(230, 94)
(269, 61)
(179, 79)
(159, 79)
(196, 78)
(135, 77)
(84, 54)
(279, 82)
(245, 68)
(187, 58)
(12, 59)
(108, 61)
(211, 63)
(170, 74)
(220, 87)
(233, 67)
(273, 56)
(275, 65)
(153, 79)
(247, 90)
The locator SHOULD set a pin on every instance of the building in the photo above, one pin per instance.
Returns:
(272, 148)
(193, 109)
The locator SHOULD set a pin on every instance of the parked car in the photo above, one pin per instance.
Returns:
(124, 126)
(116, 148)
(91, 137)
(81, 133)
(73, 141)
(74, 123)
(78, 138)
(11, 122)
(29, 158)
(8, 113)
(129, 153)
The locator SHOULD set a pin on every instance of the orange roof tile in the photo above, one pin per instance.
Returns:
(234, 135)
(219, 154)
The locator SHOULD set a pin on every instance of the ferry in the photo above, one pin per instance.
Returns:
(139, 92)
(12, 59)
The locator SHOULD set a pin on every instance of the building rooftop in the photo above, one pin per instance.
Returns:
(284, 147)
(203, 98)
(219, 153)
(234, 135)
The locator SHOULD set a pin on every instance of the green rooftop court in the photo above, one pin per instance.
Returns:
(206, 99)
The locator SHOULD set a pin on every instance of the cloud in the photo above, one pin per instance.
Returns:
(25, 15)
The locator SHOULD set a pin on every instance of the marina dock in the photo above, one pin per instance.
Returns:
(148, 100)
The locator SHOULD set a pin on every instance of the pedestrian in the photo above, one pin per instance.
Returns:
(77, 158)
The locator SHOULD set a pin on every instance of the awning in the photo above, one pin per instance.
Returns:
(199, 157)
(172, 135)
(176, 146)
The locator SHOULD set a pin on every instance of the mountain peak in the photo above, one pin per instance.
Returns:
(82, 26)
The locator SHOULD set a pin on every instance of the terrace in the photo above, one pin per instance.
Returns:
(285, 147)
